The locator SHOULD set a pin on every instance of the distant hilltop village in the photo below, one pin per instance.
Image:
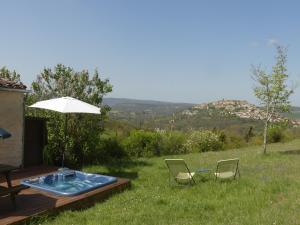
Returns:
(239, 108)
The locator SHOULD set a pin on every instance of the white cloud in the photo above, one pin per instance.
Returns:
(272, 41)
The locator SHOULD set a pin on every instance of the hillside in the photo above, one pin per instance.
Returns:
(239, 108)
(132, 109)
(225, 114)
(222, 114)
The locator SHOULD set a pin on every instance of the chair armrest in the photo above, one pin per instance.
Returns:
(13, 190)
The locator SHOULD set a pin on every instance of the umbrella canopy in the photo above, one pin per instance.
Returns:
(4, 134)
(67, 105)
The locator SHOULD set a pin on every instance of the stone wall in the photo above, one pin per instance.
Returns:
(12, 120)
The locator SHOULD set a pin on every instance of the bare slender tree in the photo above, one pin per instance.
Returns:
(271, 89)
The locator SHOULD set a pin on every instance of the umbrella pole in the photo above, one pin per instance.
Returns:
(65, 140)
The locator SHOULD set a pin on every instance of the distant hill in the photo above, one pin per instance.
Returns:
(221, 114)
(236, 115)
(239, 108)
(124, 108)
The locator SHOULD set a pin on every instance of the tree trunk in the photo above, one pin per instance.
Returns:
(265, 137)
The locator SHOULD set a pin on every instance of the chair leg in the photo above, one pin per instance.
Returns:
(194, 182)
(13, 200)
(237, 173)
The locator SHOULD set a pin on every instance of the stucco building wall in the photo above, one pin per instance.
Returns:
(12, 120)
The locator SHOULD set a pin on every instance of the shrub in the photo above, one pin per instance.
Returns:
(275, 134)
(203, 141)
(292, 133)
(143, 144)
(110, 148)
(235, 140)
(256, 140)
(173, 143)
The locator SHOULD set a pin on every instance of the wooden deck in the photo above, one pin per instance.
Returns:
(31, 202)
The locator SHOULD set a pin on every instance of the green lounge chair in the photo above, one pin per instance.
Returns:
(180, 172)
(227, 169)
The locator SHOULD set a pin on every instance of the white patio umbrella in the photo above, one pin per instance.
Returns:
(66, 105)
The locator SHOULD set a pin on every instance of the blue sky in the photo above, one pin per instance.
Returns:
(180, 51)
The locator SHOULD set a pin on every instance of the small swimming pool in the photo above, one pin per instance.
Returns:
(69, 182)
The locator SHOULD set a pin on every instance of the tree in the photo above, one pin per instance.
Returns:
(272, 91)
(249, 134)
(83, 129)
(9, 75)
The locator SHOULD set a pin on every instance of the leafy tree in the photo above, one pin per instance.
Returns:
(83, 129)
(9, 75)
(272, 91)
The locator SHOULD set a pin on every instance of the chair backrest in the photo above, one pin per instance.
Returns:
(228, 165)
(177, 166)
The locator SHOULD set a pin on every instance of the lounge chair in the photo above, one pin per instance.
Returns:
(227, 169)
(180, 172)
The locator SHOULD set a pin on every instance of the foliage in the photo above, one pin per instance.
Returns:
(9, 75)
(271, 89)
(203, 141)
(278, 132)
(275, 135)
(109, 149)
(83, 131)
(234, 140)
(173, 143)
(149, 143)
(143, 143)
(119, 128)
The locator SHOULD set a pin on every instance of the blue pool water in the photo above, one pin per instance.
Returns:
(69, 182)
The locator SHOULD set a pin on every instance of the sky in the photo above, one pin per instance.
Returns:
(167, 50)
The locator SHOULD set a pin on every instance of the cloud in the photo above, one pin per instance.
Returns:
(272, 41)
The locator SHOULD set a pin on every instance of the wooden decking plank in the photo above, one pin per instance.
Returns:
(32, 202)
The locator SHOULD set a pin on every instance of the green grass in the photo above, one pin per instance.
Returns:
(268, 192)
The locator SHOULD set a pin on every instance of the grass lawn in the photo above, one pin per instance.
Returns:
(268, 192)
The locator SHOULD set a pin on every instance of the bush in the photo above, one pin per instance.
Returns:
(81, 141)
(235, 140)
(143, 144)
(275, 134)
(292, 133)
(110, 148)
(173, 143)
(203, 141)
(256, 140)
